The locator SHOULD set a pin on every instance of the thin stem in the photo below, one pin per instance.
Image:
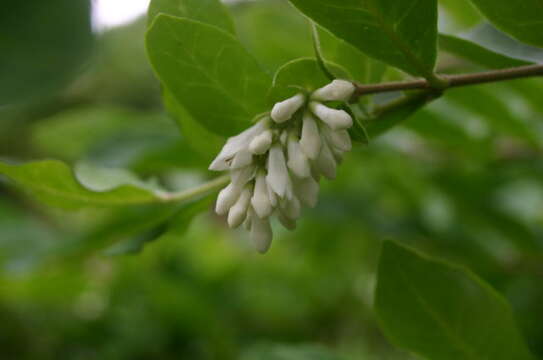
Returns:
(203, 189)
(318, 52)
(453, 80)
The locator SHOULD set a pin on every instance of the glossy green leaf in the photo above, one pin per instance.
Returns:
(38, 52)
(211, 12)
(400, 33)
(54, 183)
(522, 20)
(476, 53)
(278, 352)
(208, 72)
(443, 312)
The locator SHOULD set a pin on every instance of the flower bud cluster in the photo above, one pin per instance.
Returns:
(275, 166)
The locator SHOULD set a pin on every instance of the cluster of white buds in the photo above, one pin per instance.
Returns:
(275, 165)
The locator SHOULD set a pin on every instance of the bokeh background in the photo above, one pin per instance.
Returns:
(461, 180)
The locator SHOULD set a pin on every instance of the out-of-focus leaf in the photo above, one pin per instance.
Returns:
(208, 72)
(400, 33)
(278, 352)
(177, 224)
(394, 113)
(442, 311)
(476, 53)
(210, 12)
(56, 184)
(522, 22)
(491, 38)
(463, 13)
(302, 74)
(39, 53)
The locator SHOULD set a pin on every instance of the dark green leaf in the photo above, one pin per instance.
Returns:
(442, 311)
(208, 72)
(210, 12)
(43, 44)
(523, 20)
(400, 33)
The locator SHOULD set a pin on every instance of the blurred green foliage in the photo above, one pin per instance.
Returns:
(461, 180)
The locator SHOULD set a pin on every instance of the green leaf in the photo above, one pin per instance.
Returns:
(54, 183)
(173, 221)
(282, 352)
(363, 68)
(400, 33)
(443, 312)
(208, 72)
(302, 75)
(211, 12)
(203, 141)
(476, 53)
(523, 21)
(39, 55)
(390, 115)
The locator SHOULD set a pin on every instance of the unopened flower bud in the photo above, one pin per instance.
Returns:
(240, 177)
(307, 190)
(261, 233)
(261, 143)
(261, 199)
(277, 177)
(241, 159)
(238, 212)
(336, 119)
(337, 90)
(297, 160)
(326, 163)
(282, 111)
(339, 139)
(289, 224)
(291, 208)
(226, 198)
(310, 141)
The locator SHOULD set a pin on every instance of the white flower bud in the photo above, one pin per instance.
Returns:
(326, 163)
(282, 111)
(241, 159)
(336, 119)
(227, 197)
(261, 143)
(310, 141)
(297, 160)
(337, 90)
(340, 139)
(272, 196)
(289, 224)
(261, 199)
(278, 177)
(307, 190)
(291, 208)
(235, 144)
(240, 177)
(261, 233)
(238, 212)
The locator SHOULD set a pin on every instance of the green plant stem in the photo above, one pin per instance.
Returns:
(452, 80)
(318, 52)
(199, 190)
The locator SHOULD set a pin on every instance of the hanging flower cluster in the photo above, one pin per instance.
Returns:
(275, 165)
